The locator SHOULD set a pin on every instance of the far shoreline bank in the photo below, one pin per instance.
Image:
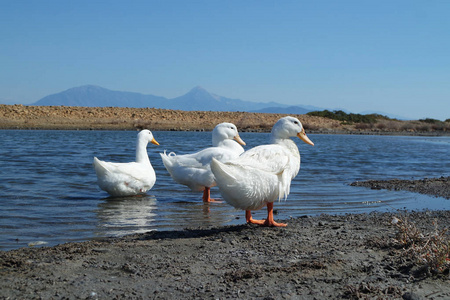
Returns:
(21, 117)
(361, 133)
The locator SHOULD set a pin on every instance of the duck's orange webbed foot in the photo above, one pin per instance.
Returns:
(269, 221)
(207, 196)
(274, 224)
(250, 220)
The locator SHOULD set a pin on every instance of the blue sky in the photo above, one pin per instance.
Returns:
(390, 56)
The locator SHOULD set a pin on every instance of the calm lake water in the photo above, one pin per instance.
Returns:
(48, 190)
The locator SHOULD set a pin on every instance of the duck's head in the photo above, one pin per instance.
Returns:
(226, 131)
(289, 127)
(146, 135)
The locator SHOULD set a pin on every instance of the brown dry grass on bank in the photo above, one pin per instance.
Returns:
(430, 250)
(65, 117)
(414, 126)
(119, 118)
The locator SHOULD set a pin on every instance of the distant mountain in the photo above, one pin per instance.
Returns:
(95, 96)
(196, 99)
(200, 99)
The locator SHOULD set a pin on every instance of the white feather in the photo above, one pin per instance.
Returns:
(261, 174)
(193, 170)
(128, 179)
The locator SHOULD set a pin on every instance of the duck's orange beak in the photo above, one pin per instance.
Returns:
(302, 135)
(239, 140)
(153, 141)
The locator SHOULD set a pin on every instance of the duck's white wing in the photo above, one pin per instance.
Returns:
(134, 170)
(245, 187)
(122, 179)
(193, 170)
(267, 158)
(203, 158)
(260, 175)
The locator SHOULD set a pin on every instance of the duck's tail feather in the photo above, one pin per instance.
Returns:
(99, 166)
(167, 159)
(221, 171)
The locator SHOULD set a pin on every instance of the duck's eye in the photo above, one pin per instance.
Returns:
(295, 122)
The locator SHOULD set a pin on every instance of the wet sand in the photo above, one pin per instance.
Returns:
(347, 256)
(439, 187)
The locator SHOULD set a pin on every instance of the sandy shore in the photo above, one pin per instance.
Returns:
(120, 118)
(347, 256)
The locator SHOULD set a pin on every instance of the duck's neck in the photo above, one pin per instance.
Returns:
(289, 144)
(216, 140)
(141, 152)
(231, 145)
(294, 161)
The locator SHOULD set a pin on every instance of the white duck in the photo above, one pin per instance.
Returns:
(262, 174)
(128, 179)
(194, 171)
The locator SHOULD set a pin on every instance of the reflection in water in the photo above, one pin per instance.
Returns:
(128, 215)
(188, 211)
(119, 216)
